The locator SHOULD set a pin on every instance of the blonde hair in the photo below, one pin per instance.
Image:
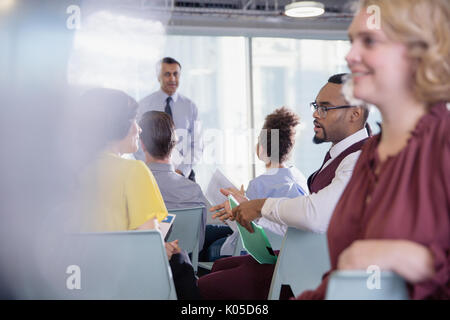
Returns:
(424, 27)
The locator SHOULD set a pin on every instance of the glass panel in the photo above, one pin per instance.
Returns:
(290, 72)
(287, 72)
(213, 75)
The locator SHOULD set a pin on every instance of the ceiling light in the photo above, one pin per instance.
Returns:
(302, 9)
(6, 5)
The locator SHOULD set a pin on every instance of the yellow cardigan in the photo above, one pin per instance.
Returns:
(119, 194)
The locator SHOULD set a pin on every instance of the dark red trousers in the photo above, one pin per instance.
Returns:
(238, 278)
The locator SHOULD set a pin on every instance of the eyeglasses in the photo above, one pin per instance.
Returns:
(322, 111)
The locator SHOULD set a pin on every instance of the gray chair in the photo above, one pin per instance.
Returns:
(275, 239)
(110, 265)
(359, 285)
(186, 228)
(301, 263)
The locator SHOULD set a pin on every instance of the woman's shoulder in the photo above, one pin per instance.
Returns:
(299, 178)
(127, 163)
(290, 173)
(367, 150)
(442, 118)
(139, 167)
(436, 121)
(131, 167)
(263, 179)
(296, 172)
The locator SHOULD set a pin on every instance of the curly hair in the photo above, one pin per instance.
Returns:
(423, 26)
(282, 121)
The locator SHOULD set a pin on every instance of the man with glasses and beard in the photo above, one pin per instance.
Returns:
(345, 127)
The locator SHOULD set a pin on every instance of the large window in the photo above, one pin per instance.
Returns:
(233, 90)
(214, 76)
(285, 72)
(290, 72)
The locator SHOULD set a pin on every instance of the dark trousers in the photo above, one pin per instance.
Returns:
(215, 236)
(184, 277)
(239, 278)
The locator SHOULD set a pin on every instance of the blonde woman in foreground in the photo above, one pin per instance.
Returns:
(395, 211)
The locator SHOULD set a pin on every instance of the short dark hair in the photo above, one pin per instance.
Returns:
(105, 115)
(337, 78)
(170, 60)
(284, 120)
(158, 134)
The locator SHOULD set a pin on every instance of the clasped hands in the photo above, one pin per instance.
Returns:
(245, 213)
(172, 248)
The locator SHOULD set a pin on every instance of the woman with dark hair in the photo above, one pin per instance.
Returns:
(242, 277)
(121, 194)
(275, 143)
(290, 182)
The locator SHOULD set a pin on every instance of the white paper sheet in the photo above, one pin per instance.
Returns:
(218, 181)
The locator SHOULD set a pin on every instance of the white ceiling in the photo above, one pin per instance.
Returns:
(240, 17)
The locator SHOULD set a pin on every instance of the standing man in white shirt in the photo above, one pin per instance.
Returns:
(184, 113)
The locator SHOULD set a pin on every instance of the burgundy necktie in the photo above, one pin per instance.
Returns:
(311, 179)
(327, 157)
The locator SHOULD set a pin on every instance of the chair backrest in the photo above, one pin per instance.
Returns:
(301, 263)
(275, 239)
(360, 285)
(186, 228)
(113, 265)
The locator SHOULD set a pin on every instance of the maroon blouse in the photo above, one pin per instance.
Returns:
(410, 200)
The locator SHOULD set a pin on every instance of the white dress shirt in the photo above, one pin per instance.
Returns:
(189, 149)
(313, 212)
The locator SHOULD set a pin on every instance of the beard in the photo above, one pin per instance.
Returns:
(317, 140)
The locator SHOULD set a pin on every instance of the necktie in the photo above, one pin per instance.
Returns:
(327, 157)
(311, 178)
(167, 109)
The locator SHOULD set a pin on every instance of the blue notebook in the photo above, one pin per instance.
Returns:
(256, 243)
